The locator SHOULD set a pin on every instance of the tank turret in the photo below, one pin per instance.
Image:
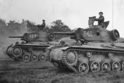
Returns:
(35, 37)
(93, 33)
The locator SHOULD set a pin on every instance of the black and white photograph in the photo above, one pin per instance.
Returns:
(61, 41)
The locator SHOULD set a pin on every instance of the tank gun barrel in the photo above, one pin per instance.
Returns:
(15, 36)
(70, 34)
(63, 33)
(78, 34)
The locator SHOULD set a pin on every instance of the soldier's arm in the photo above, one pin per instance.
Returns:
(100, 18)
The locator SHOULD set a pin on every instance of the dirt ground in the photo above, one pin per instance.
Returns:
(44, 72)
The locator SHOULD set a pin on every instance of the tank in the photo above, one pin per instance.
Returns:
(32, 47)
(96, 49)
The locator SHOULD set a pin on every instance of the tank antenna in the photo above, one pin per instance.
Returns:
(112, 14)
(53, 10)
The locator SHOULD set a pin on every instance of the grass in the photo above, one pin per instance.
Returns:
(44, 72)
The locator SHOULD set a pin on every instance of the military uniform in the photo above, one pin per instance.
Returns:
(43, 25)
(100, 19)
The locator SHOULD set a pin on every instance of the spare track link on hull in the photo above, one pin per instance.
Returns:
(101, 51)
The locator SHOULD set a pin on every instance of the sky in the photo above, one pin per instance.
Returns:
(73, 13)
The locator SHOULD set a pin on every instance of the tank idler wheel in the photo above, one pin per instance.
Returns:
(122, 64)
(95, 66)
(8, 51)
(34, 57)
(105, 66)
(42, 57)
(83, 67)
(26, 57)
(116, 66)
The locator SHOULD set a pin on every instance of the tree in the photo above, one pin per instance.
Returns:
(59, 26)
(58, 23)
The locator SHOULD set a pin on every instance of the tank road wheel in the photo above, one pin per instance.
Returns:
(83, 67)
(17, 51)
(106, 66)
(95, 66)
(34, 57)
(42, 57)
(122, 64)
(116, 66)
(26, 57)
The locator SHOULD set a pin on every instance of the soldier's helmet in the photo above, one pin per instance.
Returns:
(43, 20)
(100, 12)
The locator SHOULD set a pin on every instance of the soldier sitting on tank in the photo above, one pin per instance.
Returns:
(100, 19)
(43, 25)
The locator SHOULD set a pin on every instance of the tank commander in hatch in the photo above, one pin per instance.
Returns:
(43, 25)
(100, 19)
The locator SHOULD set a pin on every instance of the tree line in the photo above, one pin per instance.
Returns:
(57, 26)
(13, 27)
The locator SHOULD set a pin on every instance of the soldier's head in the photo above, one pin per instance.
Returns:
(43, 20)
(101, 13)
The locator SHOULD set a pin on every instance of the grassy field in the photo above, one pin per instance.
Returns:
(45, 72)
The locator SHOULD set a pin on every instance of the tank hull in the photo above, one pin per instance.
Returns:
(91, 57)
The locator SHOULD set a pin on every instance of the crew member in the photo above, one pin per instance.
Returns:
(100, 19)
(43, 25)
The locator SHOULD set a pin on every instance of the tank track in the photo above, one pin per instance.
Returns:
(103, 59)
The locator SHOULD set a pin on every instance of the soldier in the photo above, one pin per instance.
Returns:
(43, 25)
(100, 19)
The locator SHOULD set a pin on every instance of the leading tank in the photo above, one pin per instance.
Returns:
(96, 49)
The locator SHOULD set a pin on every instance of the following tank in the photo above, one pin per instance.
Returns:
(96, 50)
(34, 44)
(32, 47)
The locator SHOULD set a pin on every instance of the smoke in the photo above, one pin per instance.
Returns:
(10, 29)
